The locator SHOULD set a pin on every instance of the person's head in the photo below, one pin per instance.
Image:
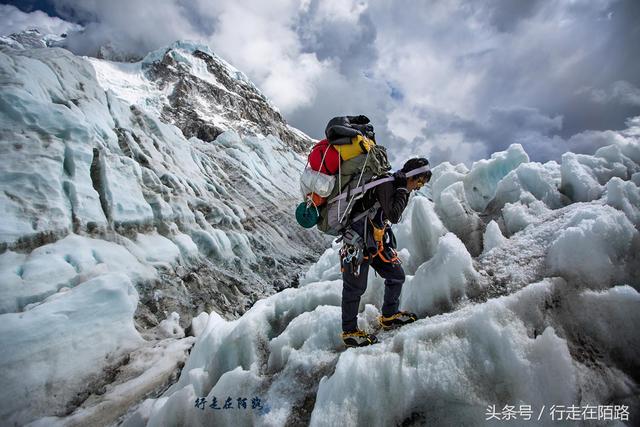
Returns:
(417, 181)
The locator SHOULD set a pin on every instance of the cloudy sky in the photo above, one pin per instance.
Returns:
(452, 80)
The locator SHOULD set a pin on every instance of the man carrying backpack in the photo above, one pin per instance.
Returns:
(370, 242)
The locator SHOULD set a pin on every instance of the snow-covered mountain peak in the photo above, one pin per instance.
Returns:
(183, 51)
(31, 39)
(188, 85)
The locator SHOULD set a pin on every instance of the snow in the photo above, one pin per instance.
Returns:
(482, 180)
(31, 278)
(492, 237)
(128, 82)
(76, 333)
(101, 200)
(183, 49)
(441, 280)
(517, 324)
(593, 246)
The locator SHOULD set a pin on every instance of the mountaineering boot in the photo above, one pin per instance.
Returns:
(395, 320)
(358, 338)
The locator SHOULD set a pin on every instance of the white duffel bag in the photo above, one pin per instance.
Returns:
(316, 182)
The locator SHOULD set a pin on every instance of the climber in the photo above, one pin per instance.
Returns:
(371, 241)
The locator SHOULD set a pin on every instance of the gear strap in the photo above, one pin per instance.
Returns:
(362, 188)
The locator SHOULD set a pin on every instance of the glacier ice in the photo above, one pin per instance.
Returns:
(492, 237)
(482, 180)
(64, 343)
(441, 280)
(542, 181)
(458, 216)
(593, 247)
(625, 196)
(96, 186)
(68, 262)
(104, 198)
(521, 323)
(509, 349)
(419, 232)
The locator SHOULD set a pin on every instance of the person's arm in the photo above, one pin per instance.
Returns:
(392, 200)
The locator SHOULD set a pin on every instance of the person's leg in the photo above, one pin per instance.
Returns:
(352, 289)
(393, 273)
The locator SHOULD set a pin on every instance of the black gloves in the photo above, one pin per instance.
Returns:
(400, 179)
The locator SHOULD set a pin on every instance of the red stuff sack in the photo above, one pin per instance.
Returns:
(316, 199)
(327, 152)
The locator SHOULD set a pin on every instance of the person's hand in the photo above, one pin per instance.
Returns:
(400, 179)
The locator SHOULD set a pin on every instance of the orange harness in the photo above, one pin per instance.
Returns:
(378, 236)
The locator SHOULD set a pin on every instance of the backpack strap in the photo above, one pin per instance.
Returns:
(372, 184)
(371, 211)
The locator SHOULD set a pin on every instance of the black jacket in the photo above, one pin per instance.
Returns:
(393, 201)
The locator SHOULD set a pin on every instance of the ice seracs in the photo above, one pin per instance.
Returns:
(545, 314)
(134, 199)
(102, 194)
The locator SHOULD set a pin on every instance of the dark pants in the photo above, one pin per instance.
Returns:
(354, 287)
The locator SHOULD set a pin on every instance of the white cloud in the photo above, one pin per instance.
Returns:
(620, 91)
(405, 124)
(13, 20)
(260, 41)
(431, 76)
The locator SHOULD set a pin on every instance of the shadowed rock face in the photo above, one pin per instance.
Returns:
(194, 100)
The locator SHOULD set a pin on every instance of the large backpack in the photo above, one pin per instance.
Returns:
(350, 156)
(335, 215)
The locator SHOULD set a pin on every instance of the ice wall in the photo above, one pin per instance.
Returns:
(110, 211)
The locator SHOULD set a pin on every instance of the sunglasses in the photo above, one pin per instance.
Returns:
(423, 179)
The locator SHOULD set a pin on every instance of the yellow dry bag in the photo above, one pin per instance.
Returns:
(359, 145)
